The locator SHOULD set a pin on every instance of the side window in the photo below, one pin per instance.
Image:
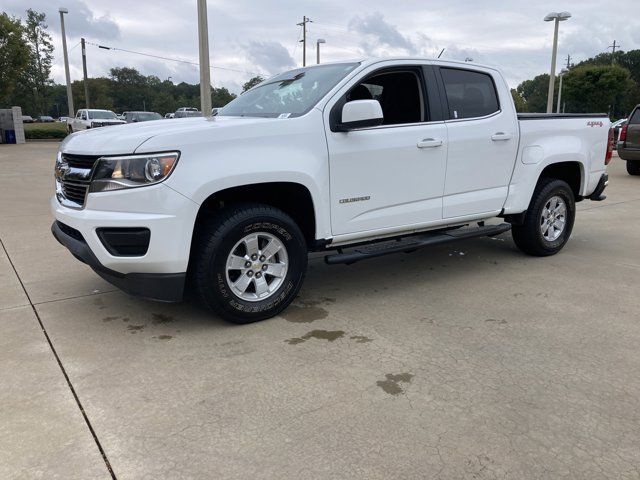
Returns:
(399, 93)
(79, 114)
(470, 94)
(635, 117)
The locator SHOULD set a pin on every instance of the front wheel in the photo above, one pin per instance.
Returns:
(548, 221)
(249, 262)
(633, 167)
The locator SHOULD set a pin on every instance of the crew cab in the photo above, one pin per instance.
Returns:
(355, 160)
(92, 118)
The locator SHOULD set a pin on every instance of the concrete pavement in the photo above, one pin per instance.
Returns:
(462, 361)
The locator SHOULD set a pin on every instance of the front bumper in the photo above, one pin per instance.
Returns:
(169, 217)
(164, 287)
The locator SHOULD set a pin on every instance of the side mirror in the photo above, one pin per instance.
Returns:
(360, 114)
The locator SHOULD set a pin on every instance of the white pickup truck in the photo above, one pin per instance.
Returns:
(87, 118)
(353, 159)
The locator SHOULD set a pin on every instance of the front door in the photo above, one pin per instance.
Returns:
(391, 175)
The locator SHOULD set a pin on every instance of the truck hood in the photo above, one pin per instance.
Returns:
(127, 138)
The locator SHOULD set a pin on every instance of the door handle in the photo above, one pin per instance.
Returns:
(429, 143)
(501, 136)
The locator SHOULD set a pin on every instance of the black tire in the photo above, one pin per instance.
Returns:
(633, 167)
(528, 237)
(70, 128)
(214, 242)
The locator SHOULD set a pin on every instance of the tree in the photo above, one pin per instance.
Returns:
(221, 96)
(252, 83)
(521, 105)
(14, 56)
(597, 88)
(534, 93)
(36, 77)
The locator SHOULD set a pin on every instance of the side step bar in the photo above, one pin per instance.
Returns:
(409, 244)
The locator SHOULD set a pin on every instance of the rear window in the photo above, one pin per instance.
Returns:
(635, 116)
(470, 94)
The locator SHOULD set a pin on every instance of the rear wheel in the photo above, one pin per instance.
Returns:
(633, 167)
(249, 263)
(548, 221)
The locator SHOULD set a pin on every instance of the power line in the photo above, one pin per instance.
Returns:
(179, 60)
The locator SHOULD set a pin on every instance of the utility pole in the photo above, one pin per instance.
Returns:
(84, 72)
(303, 24)
(72, 112)
(568, 62)
(613, 48)
(205, 73)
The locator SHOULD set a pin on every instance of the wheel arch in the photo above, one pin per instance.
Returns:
(292, 198)
(571, 172)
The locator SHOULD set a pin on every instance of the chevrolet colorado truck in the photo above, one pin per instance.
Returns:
(355, 159)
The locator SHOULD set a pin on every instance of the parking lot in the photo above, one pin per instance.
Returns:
(468, 360)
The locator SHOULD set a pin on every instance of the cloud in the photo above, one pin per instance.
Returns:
(271, 57)
(80, 21)
(380, 33)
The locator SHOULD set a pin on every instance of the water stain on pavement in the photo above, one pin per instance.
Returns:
(361, 339)
(135, 328)
(500, 321)
(307, 311)
(109, 319)
(392, 383)
(161, 318)
(164, 337)
(329, 335)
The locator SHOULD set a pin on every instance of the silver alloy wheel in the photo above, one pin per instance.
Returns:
(553, 218)
(257, 266)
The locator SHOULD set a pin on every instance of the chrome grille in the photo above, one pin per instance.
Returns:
(73, 177)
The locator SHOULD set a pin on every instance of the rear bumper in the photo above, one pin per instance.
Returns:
(628, 153)
(164, 287)
(597, 194)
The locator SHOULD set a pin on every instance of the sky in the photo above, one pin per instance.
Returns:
(249, 37)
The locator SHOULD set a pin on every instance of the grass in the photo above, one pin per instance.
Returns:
(45, 130)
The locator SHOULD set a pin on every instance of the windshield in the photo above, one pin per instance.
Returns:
(102, 114)
(289, 94)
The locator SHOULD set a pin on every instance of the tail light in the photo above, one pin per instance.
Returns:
(623, 133)
(609, 154)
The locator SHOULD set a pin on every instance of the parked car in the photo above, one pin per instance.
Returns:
(121, 116)
(169, 115)
(45, 119)
(617, 127)
(365, 159)
(92, 118)
(629, 142)
(27, 119)
(133, 117)
(187, 112)
(63, 119)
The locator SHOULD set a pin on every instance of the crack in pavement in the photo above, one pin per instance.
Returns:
(64, 372)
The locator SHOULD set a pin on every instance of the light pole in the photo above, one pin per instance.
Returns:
(72, 113)
(205, 73)
(557, 18)
(318, 42)
(562, 72)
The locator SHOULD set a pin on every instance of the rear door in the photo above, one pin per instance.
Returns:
(483, 140)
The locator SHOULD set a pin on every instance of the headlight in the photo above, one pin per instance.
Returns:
(116, 173)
